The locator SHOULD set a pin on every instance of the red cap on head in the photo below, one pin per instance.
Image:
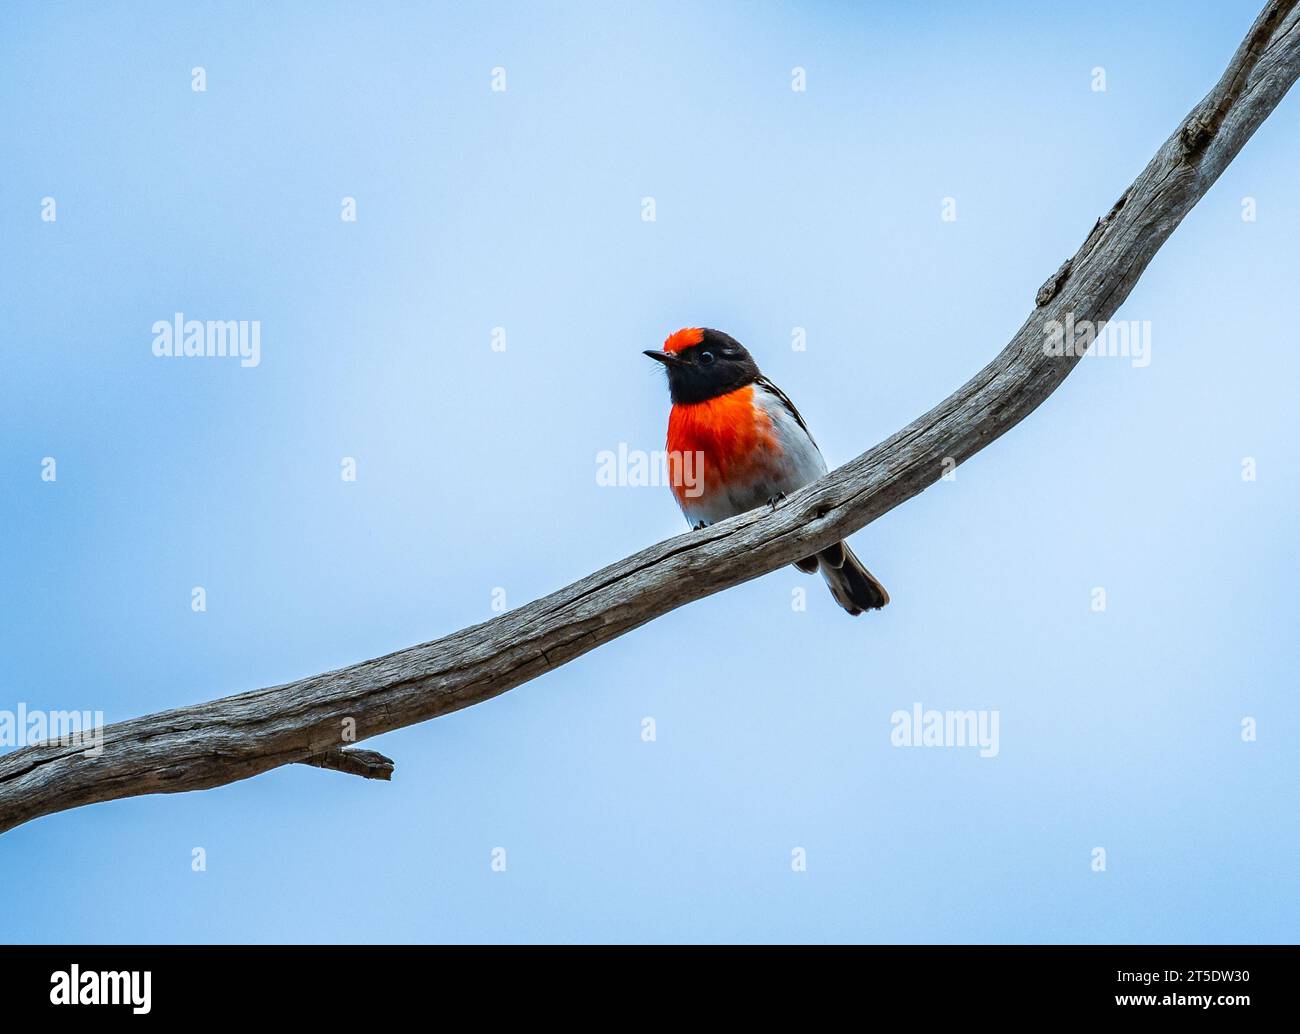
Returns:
(684, 338)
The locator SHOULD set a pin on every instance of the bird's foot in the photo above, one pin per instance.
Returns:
(775, 501)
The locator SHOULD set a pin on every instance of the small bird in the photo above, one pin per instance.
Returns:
(754, 446)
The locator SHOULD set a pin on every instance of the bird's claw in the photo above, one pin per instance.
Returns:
(775, 500)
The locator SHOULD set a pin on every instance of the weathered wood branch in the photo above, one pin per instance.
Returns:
(211, 744)
(368, 764)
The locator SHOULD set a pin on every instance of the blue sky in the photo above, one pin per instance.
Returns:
(476, 470)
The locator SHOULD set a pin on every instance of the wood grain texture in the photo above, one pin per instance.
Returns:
(210, 744)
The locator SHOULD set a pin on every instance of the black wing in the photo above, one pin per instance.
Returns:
(767, 385)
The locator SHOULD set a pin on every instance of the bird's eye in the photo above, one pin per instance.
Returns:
(706, 358)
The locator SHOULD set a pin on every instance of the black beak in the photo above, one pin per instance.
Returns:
(667, 358)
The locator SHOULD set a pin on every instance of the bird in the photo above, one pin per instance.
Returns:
(736, 442)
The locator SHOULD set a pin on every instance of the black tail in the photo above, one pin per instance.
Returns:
(852, 585)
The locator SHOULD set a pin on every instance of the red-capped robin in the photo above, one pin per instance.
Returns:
(754, 446)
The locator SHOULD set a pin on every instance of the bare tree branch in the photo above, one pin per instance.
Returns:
(211, 744)
(369, 764)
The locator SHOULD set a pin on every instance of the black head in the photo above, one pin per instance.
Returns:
(703, 364)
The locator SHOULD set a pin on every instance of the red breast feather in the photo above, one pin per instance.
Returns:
(734, 437)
